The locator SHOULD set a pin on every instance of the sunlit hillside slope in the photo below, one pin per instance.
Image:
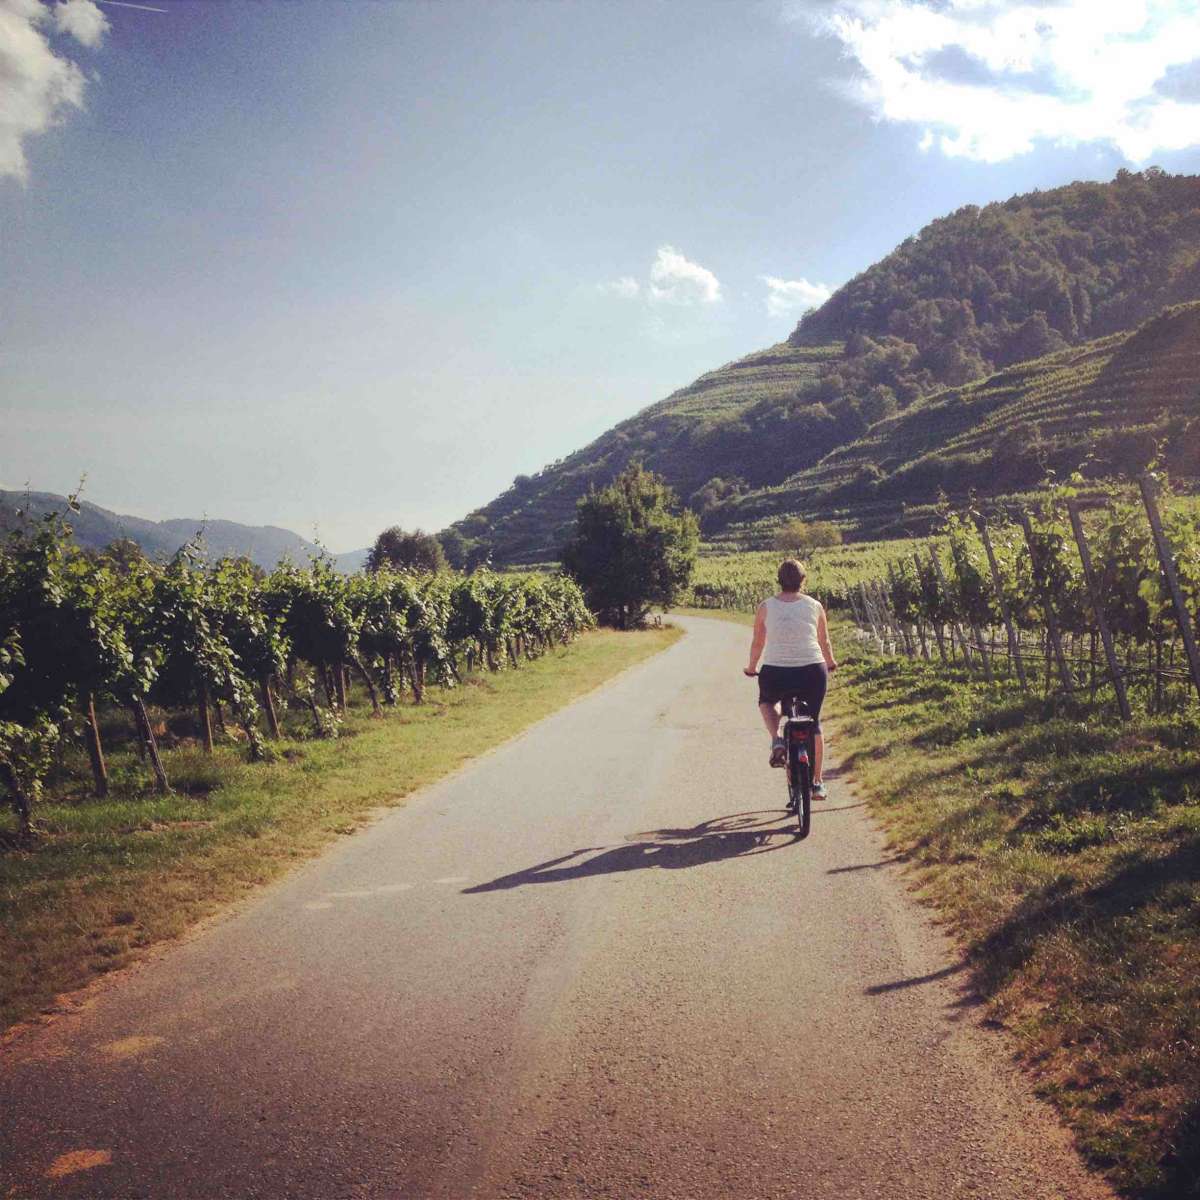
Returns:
(1106, 408)
(967, 299)
(733, 422)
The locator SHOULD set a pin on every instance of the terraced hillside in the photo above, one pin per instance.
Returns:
(1105, 408)
(975, 292)
(738, 416)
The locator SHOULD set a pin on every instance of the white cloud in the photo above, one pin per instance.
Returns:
(673, 279)
(39, 87)
(626, 287)
(791, 297)
(677, 280)
(83, 20)
(989, 79)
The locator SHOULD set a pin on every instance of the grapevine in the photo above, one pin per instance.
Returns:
(77, 630)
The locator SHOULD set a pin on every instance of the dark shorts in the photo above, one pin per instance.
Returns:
(807, 683)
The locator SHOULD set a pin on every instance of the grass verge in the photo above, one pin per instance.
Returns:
(107, 879)
(1065, 849)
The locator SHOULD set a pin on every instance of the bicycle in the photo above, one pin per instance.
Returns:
(798, 739)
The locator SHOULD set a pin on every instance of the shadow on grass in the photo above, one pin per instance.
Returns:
(1099, 910)
(1181, 1167)
(1115, 920)
(1028, 719)
(737, 835)
(1089, 780)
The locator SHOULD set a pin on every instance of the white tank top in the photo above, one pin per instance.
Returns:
(792, 633)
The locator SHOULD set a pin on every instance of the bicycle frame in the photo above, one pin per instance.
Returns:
(800, 740)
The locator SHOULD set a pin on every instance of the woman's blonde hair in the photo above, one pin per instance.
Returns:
(791, 575)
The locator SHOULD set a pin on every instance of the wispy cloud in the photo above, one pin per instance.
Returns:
(39, 84)
(626, 287)
(673, 279)
(990, 79)
(791, 297)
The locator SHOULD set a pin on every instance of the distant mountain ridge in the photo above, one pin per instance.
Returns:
(95, 527)
(971, 295)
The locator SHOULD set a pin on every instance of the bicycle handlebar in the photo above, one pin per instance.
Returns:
(755, 674)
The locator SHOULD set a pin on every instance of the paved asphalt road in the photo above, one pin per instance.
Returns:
(594, 963)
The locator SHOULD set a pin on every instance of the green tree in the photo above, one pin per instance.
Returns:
(404, 551)
(454, 547)
(801, 538)
(879, 404)
(632, 547)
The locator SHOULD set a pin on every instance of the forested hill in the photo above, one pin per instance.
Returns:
(985, 287)
(970, 294)
(1105, 408)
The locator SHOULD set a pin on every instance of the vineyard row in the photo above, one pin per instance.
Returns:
(1055, 599)
(78, 630)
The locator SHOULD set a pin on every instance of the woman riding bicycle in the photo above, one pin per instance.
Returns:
(791, 636)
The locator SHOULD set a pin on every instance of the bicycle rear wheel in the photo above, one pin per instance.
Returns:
(799, 775)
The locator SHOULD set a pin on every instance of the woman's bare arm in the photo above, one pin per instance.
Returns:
(823, 639)
(759, 640)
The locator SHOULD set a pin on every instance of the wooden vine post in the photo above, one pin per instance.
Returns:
(885, 614)
(1093, 591)
(937, 629)
(866, 606)
(864, 617)
(268, 703)
(885, 606)
(95, 749)
(909, 647)
(955, 628)
(372, 691)
(1014, 644)
(146, 736)
(903, 639)
(879, 617)
(206, 731)
(881, 609)
(855, 611)
(1052, 630)
(1167, 562)
(976, 632)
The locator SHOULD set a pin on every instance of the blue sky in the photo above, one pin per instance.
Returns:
(335, 266)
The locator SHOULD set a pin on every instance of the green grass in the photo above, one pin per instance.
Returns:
(107, 879)
(742, 580)
(1064, 848)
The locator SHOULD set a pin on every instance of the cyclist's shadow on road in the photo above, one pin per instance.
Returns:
(735, 836)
